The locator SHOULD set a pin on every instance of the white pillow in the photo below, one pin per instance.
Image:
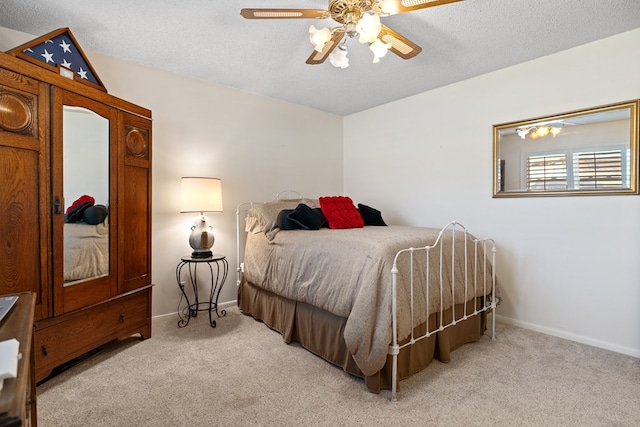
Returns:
(263, 217)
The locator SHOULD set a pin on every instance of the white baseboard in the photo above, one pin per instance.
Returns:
(569, 336)
(521, 324)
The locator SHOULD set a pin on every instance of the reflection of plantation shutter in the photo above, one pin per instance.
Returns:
(600, 169)
(547, 172)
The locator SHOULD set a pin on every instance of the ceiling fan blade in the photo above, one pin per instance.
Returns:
(393, 7)
(400, 45)
(319, 57)
(284, 13)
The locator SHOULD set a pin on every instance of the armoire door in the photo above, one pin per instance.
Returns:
(134, 179)
(84, 186)
(25, 205)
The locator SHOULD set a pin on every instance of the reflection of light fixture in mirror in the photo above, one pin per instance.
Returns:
(201, 195)
(535, 132)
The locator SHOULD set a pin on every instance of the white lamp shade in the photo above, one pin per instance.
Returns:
(201, 194)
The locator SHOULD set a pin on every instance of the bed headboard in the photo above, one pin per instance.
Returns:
(241, 213)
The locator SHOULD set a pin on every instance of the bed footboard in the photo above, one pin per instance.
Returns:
(480, 265)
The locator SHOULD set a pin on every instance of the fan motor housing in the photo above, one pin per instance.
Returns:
(350, 11)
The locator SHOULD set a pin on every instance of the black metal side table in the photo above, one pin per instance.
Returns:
(217, 281)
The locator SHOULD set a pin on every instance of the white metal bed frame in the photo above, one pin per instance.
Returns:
(453, 226)
(490, 304)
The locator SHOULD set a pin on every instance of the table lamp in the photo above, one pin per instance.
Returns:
(201, 195)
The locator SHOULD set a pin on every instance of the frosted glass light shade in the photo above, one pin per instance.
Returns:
(201, 194)
(369, 26)
(318, 38)
(379, 49)
(338, 57)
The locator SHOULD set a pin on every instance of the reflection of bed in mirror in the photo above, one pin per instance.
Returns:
(86, 251)
(86, 142)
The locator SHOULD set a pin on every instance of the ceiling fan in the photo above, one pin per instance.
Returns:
(355, 18)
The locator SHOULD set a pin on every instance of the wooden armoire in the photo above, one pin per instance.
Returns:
(40, 177)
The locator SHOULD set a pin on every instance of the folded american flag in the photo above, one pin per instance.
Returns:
(61, 50)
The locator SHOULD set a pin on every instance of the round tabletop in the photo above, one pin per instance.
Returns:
(212, 258)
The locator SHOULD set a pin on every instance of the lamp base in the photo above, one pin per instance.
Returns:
(200, 253)
(201, 238)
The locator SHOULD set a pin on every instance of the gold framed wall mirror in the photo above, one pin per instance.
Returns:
(586, 152)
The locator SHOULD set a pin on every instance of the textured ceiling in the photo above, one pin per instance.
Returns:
(209, 40)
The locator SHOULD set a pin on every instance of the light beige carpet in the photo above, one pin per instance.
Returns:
(242, 373)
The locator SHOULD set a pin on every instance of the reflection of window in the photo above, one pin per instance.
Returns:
(597, 169)
(593, 169)
(547, 172)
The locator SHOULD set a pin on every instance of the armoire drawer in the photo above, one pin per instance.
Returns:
(76, 333)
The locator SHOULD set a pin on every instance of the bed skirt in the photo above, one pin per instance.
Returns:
(322, 333)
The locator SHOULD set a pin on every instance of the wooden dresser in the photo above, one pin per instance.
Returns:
(18, 395)
(47, 158)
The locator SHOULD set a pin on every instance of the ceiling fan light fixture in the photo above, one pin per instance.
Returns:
(379, 49)
(338, 57)
(318, 38)
(355, 18)
(389, 7)
(368, 27)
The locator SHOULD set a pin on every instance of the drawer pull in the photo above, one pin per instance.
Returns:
(45, 350)
(122, 316)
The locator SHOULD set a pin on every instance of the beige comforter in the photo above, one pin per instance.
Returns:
(348, 273)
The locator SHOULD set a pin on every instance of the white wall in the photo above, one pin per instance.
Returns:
(257, 145)
(86, 156)
(567, 266)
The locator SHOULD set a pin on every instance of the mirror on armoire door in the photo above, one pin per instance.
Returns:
(84, 185)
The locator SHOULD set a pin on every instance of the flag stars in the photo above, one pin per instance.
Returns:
(61, 51)
(65, 46)
(47, 56)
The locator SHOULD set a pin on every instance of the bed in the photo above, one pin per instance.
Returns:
(86, 251)
(357, 296)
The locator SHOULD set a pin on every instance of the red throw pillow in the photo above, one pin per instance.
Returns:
(80, 201)
(340, 212)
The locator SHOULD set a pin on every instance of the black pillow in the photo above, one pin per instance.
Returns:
(76, 214)
(95, 214)
(307, 218)
(370, 216)
(283, 222)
